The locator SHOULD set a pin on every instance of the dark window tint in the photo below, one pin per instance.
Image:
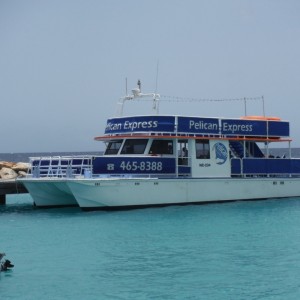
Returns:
(161, 147)
(113, 147)
(134, 146)
(202, 149)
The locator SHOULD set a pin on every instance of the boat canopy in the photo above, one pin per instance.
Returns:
(173, 126)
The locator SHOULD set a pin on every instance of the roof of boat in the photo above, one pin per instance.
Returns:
(176, 126)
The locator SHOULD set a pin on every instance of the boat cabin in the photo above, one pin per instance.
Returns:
(172, 146)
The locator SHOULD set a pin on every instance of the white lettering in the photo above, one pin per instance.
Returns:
(232, 128)
(113, 126)
(201, 125)
(140, 125)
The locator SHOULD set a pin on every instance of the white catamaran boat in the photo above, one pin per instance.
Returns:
(158, 160)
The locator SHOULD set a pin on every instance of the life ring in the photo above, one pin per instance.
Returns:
(261, 118)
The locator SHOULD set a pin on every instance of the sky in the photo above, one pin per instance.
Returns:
(64, 64)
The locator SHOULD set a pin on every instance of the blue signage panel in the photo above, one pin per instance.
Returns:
(229, 127)
(133, 165)
(244, 127)
(279, 128)
(198, 125)
(140, 124)
(266, 166)
(255, 128)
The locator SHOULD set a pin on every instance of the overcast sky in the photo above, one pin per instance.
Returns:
(63, 64)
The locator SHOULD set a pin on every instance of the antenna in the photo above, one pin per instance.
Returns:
(156, 79)
(155, 98)
(126, 86)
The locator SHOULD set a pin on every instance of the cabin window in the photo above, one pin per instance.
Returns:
(161, 147)
(113, 147)
(202, 149)
(134, 146)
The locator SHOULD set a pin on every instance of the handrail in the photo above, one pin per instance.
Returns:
(60, 166)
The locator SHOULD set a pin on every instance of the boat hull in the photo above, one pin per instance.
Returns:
(50, 192)
(106, 194)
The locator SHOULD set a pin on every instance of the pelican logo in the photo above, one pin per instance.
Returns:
(221, 153)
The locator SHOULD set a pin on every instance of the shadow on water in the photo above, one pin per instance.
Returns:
(23, 204)
(8, 273)
(16, 208)
(31, 209)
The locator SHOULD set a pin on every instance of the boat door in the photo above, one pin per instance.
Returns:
(209, 158)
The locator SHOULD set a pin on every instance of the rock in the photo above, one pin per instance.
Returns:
(20, 166)
(6, 164)
(22, 174)
(7, 173)
(11, 170)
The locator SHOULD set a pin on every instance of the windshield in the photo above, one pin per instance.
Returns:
(134, 146)
(161, 147)
(113, 147)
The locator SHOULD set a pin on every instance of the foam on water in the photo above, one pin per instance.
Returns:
(241, 250)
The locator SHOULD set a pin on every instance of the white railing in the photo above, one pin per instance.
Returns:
(60, 166)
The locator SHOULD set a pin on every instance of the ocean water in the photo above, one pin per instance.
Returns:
(237, 250)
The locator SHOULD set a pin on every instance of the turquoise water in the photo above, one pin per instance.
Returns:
(238, 250)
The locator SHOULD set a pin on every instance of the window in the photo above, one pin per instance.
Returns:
(134, 146)
(202, 149)
(161, 147)
(183, 154)
(113, 147)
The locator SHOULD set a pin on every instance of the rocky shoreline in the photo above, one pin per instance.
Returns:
(12, 170)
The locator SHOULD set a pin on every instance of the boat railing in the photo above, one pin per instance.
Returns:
(60, 166)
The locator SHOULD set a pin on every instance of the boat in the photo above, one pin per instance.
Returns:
(159, 160)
